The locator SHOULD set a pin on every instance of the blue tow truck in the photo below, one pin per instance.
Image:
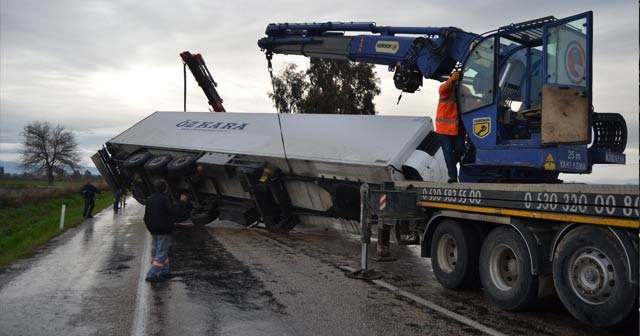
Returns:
(512, 227)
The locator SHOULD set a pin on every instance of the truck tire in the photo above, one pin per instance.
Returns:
(158, 163)
(139, 192)
(592, 278)
(136, 161)
(404, 236)
(284, 225)
(454, 255)
(181, 165)
(203, 216)
(505, 271)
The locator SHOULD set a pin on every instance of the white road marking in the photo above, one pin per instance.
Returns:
(432, 306)
(142, 295)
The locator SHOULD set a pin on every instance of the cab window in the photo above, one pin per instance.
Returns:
(476, 87)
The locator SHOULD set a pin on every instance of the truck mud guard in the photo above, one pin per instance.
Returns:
(108, 169)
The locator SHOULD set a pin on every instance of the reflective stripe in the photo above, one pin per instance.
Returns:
(448, 121)
(157, 264)
(447, 118)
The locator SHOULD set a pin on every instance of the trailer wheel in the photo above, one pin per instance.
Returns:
(284, 224)
(136, 161)
(454, 255)
(404, 236)
(592, 278)
(157, 164)
(202, 216)
(505, 270)
(139, 192)
(181, 165)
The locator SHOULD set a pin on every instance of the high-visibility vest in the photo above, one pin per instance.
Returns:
(447, 118)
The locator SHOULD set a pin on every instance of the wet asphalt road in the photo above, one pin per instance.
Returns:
(230, 280)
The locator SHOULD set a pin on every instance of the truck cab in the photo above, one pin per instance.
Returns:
(525, 97)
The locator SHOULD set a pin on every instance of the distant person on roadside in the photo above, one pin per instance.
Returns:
(159, 216)
(89, 192)
(448, 126)
(117, 194)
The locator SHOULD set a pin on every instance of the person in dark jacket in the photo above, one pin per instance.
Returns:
(117, 195)
(89, 192)
(159, 216)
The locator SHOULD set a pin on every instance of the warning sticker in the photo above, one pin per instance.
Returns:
(383, 201)
(549, 163)
(575, 62)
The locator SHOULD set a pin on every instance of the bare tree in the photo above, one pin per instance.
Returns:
(47, 148)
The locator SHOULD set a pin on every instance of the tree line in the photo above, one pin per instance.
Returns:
(327, 87)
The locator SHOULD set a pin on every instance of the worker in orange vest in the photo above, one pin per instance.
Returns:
(448, 126)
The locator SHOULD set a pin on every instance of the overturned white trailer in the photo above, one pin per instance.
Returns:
(281, 170)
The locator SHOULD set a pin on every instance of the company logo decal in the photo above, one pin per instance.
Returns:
(210, 125)
(388, 47)
(575, 60)
(481, 127)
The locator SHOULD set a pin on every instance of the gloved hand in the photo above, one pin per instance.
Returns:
(455, 76)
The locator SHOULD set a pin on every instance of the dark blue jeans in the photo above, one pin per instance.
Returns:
(453, 149)
(89, 203)
(160, 264)
(116, 199)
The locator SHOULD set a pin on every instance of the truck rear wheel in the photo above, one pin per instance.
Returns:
(404, 235)
(454, 255)
(136, 161)
(158, 163)
(203, 215)
(181, 165)
(283, 225)
(592, 278)
(505, 270)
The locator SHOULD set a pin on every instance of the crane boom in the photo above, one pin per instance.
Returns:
(201, 73)
(433, 54)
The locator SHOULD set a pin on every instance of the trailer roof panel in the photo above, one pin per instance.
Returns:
(354, 139)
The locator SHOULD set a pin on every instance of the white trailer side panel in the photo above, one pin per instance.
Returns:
(344, 139)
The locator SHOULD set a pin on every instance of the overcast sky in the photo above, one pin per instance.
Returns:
(97, 67)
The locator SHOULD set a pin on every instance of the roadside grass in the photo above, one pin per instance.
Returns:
(15, 193)
(23, 229)
(14, 181)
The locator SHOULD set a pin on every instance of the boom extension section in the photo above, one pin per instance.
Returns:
(431, 55)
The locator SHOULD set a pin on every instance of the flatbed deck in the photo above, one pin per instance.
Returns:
(615, 205)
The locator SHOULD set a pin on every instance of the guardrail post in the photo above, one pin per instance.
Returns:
(62, 211)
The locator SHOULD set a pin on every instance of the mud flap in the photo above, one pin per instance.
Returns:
(109, 170)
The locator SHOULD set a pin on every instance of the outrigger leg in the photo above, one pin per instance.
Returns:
(365, 228)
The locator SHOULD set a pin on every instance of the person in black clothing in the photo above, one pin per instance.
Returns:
(159, 216)
(117, 195)
(88, 192)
